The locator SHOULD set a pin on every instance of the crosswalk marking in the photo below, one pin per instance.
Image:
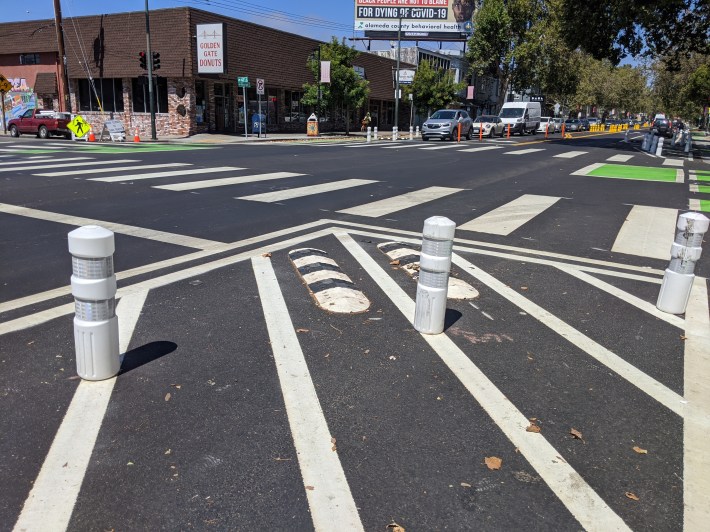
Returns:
(282, 195)
(647, 232)
(41, 159)
(116, 169)
(523, 152)
(209, 183)
(445, 147)
(673, 162)
(481, 148)
(407, 145)
(620, 158)
(62, 164)
(570, 154)
(366, 144)
(398, 203)
(154, 175)
(509, 217)
(588, 169)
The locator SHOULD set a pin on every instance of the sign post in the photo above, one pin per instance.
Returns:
(260, 92)
(5, 87)
(243, 82)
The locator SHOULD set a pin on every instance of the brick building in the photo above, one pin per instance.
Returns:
(105, 77)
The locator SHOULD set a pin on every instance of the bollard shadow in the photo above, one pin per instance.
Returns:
(451, 317)
(145, 354)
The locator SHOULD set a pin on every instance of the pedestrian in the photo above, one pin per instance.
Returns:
(366, 122)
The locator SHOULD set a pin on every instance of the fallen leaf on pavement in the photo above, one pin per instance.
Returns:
(395, 527)
(335, 447)
(394, 263)
(266, 255)
(168, 451)
(465, 485)
(639, 450)
(310, 488)
(523, 287)
(302, 330)
(176, 386)
(632, 496)
(576, 434)
(167, 396)
(493, 462)
(533, 428)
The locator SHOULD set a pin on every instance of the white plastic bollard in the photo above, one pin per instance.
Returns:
(416, 131)
(646, 142)
(654, 143)
(369, 134)
(434, 266)
(411, 133)
(93, 285)
(685, 252)
(659, 147)
(375, 133)
(395, 131)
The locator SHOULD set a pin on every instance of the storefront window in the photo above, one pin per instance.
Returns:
(141, 100)
(294, 107)
(109, 92)
(200, 102)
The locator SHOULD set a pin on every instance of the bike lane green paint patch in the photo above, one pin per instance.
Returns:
(644, 173)
(704, 205)
(704, 189)
(700, 175)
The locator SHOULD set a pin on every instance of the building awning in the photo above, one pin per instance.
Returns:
(46, 84)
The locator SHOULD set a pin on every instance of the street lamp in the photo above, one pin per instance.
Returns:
(396, 90)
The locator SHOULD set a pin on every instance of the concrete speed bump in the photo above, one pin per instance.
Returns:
(331, 289)
(406, 257)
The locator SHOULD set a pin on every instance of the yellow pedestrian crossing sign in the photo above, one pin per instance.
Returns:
(79, 126)
(5, 85)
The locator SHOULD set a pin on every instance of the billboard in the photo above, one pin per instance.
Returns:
(210, 48)
(419, 18)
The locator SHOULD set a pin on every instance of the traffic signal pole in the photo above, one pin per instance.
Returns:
(149, 54)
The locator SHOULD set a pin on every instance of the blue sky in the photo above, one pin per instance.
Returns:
(319, 19)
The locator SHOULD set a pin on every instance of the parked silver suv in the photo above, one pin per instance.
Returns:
(444, 124)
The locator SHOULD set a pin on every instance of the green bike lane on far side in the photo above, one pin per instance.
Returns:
(700, 188)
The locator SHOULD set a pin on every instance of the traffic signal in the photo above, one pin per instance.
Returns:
(143, 58)
(156, 60)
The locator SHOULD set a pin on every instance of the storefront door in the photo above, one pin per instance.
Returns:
(223, 106)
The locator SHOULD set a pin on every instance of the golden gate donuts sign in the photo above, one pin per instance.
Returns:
(210, 48)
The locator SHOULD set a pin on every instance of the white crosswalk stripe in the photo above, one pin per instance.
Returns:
(523, 152)
(282, 195)
(116, 169)
(620, 158)
(446, 147)
(570, 154)
(62, 163)
(673, 162)
(481, 148)
(509, 217)
(366, 145)
(209, 183)
(398, 203)
(647, 232)
(403, 145)
(155, 175)
(43, 158)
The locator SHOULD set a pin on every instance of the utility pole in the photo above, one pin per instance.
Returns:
(64, 101)
(396, 90)
(319, 87)
(153, 134)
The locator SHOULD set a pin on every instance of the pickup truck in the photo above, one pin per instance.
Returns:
(41, 123)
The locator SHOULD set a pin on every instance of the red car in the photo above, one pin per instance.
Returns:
(41, 123)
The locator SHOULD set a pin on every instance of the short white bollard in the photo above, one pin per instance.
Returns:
(434, 266)
(93, 285)
(659, 147)
(685, 252)
(375, 133)
(411, 133)
(369, 134)
(646, 142)
(395, 131)
(416, 131)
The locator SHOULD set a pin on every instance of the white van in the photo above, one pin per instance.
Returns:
(523, 117)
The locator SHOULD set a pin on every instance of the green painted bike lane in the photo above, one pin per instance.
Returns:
(627, 171)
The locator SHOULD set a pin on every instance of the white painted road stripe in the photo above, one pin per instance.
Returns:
(620, 158)
(577, 496)
(481, 148)
(130, 230)
(46, 158)
(282, 195)
(601, 354)
(154, 175)
(694, 205)
(647, 232)
(403, 145)
(588, 169)
(51, 501)
(445, 147)
(673, 162)
(378, 143)
(523, 152)
(570, 154)
(61, 163)
(679, 176)
(509, 217)
(116, 169)
(694, 188)
(31, 147)
(326, 486)
(209, 183)
(696, 370)
(398, 203)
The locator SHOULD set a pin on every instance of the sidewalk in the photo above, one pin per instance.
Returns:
(215, 138)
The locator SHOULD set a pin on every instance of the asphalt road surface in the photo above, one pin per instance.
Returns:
(251, 397)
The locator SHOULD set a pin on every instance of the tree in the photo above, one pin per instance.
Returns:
(346, 89)
(613, 29)
(433, 88)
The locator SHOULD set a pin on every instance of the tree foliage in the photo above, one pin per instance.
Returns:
(613, 29)
(432, 88)
(346, 89)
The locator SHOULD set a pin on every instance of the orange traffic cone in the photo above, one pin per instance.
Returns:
(136, 138)
(92, 137)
